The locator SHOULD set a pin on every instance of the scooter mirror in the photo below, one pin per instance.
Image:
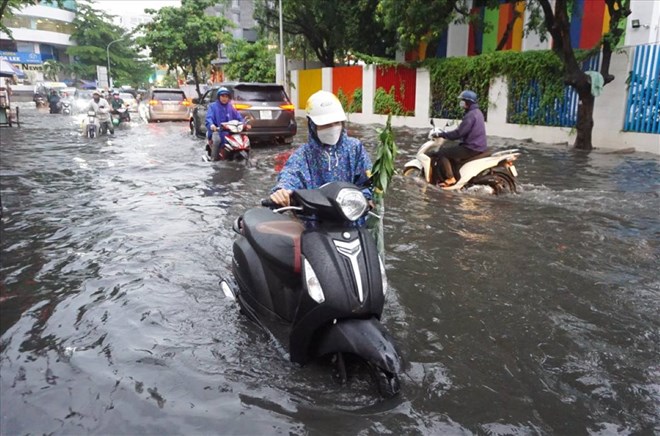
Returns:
(449, 123)
(432, 123)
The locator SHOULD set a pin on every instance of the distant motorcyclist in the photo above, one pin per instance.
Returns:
(102, 109)
(220, 112)
(54, 102)
(117, 103)
(472, 136)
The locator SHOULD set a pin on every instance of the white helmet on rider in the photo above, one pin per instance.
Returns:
(324, 107)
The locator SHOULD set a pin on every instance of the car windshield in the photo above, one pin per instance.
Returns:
(168, 96)
(259, 93)
(125, 96)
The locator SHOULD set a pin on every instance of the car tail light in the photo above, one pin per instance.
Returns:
(153, 102)
(242, 106)
(185, 103)
(287, 107)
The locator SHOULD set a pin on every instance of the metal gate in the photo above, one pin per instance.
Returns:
(643, 106)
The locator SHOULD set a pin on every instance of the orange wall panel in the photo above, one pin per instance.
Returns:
(348, 79)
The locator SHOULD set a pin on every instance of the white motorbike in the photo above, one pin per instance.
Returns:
(493, 169)
(90, 125)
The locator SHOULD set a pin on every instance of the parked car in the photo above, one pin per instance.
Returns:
(167, 104)
(266, 105)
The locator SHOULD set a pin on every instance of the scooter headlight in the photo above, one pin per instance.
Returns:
(383, 276)
(313, 286)
(352, 203)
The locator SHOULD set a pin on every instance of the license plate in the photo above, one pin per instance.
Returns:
(514, 171)
(266, 115)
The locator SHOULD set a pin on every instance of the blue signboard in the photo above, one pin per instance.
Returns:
(20, 57)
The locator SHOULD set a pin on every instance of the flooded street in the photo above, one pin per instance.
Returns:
(528, 314)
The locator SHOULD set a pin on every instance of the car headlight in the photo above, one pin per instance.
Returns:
(352, 203)
(313, 285)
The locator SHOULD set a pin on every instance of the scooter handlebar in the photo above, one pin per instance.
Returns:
(267, 202)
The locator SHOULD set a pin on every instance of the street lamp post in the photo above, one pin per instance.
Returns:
(107, 51)
(282, 65)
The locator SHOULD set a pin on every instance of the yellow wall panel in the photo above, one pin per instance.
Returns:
(309, 81)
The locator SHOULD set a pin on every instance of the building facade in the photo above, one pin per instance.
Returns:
(40, 33)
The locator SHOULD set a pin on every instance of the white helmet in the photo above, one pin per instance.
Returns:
(324, 108)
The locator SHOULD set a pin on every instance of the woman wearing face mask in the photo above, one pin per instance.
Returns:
(472, 136)
(329, 155)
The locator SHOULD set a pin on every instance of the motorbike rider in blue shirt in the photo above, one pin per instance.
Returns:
(471, 133)
(329, 155)
(220, 112)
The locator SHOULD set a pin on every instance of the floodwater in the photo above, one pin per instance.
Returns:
(529, 314)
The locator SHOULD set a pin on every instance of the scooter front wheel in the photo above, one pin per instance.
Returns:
(388, 383)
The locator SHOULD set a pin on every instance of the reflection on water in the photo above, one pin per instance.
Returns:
(528, 314)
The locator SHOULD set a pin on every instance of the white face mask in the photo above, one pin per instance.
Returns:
(330, 136)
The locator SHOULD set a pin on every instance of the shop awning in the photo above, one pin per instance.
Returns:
(7, 69)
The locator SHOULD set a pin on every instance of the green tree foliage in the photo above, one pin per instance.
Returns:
(93, 32)
(416, 21)
(332, 29)
(250, 62)
(185, 36)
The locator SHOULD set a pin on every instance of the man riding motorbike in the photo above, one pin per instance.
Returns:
(54, 102)
(220, 112)
(102, 108)
(471, 133)
(117, 103)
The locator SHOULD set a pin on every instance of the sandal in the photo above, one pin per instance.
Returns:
(445, 184)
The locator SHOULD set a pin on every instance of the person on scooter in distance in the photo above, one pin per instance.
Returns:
(54, 102)
(220, 112)
(118, 103)
(102, 108)
(329, 155)
(472, 136)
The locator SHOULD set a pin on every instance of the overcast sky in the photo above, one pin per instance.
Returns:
(132, 7)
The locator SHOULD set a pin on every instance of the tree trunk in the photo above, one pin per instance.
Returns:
(196, 78)
(585, 119)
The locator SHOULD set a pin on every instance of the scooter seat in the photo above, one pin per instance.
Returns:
(275, 237)
(483, 154)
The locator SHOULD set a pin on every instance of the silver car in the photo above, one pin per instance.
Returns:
(167, 104)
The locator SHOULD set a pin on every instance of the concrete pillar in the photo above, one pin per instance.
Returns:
(423, 94)
(498, 100)
(368, 89)
(326, 79)
(294, 88)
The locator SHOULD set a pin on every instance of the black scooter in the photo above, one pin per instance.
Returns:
(321, 289)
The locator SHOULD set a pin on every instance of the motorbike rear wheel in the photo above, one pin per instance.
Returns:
(502, 182)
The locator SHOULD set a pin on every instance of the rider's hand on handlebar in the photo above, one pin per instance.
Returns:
(214, 128)
(282, 197)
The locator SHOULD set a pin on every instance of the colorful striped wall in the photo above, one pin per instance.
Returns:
(589, 21)
(404, 81)
(348, 79)
(309, 81)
